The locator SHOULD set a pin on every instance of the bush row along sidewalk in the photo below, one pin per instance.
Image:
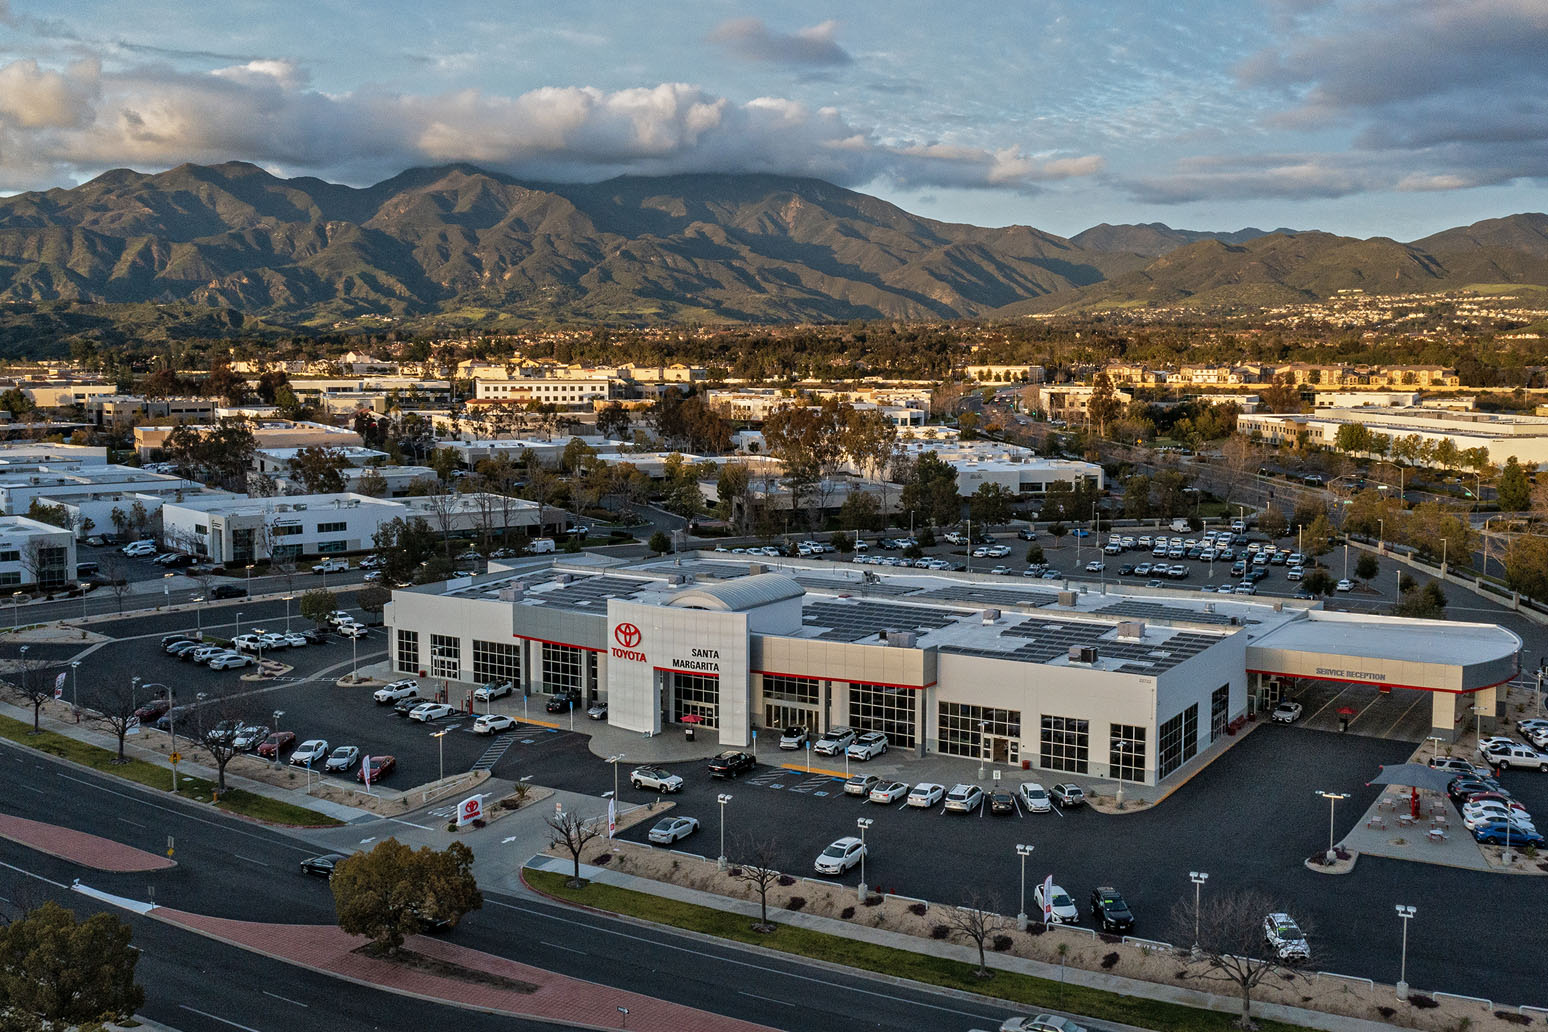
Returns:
(235, 800)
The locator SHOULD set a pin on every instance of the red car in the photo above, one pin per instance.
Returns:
(278, 742)
(152, 710)
(381, 766)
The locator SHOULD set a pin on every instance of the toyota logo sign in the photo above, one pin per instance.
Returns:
(627, 635)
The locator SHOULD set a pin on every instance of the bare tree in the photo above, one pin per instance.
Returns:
(978, 920)
(573, 833)
(217, 725)
(760, 873)
(32, 683)
(1228, 931)
(116, 702)
(114, 566)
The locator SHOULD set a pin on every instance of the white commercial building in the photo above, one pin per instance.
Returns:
(90, 493)
(1019, 470)
(1075, 682)
(244, 530)
(34, 554)
(1500, 434)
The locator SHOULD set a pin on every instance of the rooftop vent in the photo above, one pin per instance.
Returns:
(563, 579)
(1083, 654)
(676, 579)
(511, 593)
(1067, 598)
(901, 639)
(1134, 629)
(753, 569)
(990, 616)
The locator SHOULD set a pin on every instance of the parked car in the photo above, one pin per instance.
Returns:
(403, 707)
(1287, 712)
(841, 855)
(227, 591)
(655, 777)
(1517, 754)
(1055, 905)
(152, 710)
(227, 660)
(1068, 795)
(426, 712)
(597, 711)
(177, 648)
(887, 792)
(249, 737)
(1110, 911)
(342, 758)
(1285, 938)
(331, 566)
(493, 690)
(277, 744)
(1499, 833)
(731, 764)
(1455, 764)
(1344, 585)
(868, 746)
(964, 798)
(310, 753)
(353, 630)
(379, 767)
(925, 795)
(1033, 797)
(493, 723)
(1001, 801)
(1041, 1023)
(861, 784)
(561, 703)
(793, 737)
(405, 689)
(672, 829)
(322, 866)
(834, 742)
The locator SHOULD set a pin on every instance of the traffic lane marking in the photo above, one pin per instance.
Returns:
(216, 1017)
(287, 999)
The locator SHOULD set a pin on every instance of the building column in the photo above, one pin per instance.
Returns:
(1486, 709)
(1443, 716)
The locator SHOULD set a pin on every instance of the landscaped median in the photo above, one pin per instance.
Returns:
(237, 801)
(1025, 991)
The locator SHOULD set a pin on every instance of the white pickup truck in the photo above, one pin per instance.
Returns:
(331, 566)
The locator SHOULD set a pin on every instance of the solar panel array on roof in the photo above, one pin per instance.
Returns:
(851, 621)
(1155, 611)
(1050, 640)
(990, 596)
(711, 571)
(589, 592)
(853, 587)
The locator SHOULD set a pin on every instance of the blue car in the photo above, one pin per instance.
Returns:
(1494, 834)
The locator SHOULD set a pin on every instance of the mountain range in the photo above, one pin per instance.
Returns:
(474, 246)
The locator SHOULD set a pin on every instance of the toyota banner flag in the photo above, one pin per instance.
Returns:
(1048, 900)
(59, 685)
(612, 817)
(365, 771)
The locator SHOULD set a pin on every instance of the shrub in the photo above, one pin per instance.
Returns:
(874, 899)
(1419, 1002)
(1109, 938)
(602, 858)
(796, 903)
(1513, 1018)
(1002, 943)
(1110, 961)
(1386, 1012)
(847, 913)
(917, 909)
(940, 932)
(1036, 928)
(786, 881)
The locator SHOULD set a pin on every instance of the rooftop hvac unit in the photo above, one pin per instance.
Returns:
(1134, 629)
(676, 579)
(300, 506)
(1236, 621)
(901, 639)
(1066, 598)
(753, 569)
(1209, 607)
(563, 579)
(1083, 654)
(990, 616)
(511, 593)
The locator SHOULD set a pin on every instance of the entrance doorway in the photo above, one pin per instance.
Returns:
(1001, 750)
(779, 717)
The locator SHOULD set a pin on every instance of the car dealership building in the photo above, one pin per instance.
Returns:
(1124, 683)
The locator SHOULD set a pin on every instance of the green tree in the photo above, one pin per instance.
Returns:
(1318, 582)
(1366, 567)
(401, 545)
(1426, 603)
(54, 515)
(1526, 565)
(860, 511)
(320, 470)
(931, 491)
(371, 482)
(1104, 404)
(1034, 554)
(394, 892)
(1272, 522)
(1317, 536)
(1514, 489)
(317, 604)
(1136, 497)
(613, 421)
(990, 505)
(660, 543)
(16, 402)
(57, 972)
(373, 598)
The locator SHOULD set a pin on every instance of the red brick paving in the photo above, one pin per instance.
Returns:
(557, 998)
(79, 847)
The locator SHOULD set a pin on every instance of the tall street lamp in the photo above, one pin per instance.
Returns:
(722, 799)
(238, 633)
(1406, 913)
(249, 580)
(277, 714)
(75, 683)
(287, 612)
(615, 760)
(1332, 798)
(983, 728)
(1198, 878)
(440, 736)
(1023, 851)
(166, 588)
(134, 688)
(16, 597)
(862, 823)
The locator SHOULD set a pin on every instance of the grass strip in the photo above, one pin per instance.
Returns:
(1025, 990)
(151, 775)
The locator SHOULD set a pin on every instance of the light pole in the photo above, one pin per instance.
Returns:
(440, 737)
(249, 580)
(1122, 747)
(1023, 851)
(238, 633)
(287, 612)
(277, 714)
(862, 823)
(354, 658)
(983, 726)
(75, 683)
(722, 799)
(1435, 753)
(1381, 535)
(166, 588)
(1198, 878)
(134, 689)
(1406, 913)
(615, 760)
(1332, 798)
(16, 597)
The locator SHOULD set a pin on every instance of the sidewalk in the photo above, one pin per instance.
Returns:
(962, 954)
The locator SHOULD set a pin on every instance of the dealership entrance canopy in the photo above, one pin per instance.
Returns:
(1445, 658)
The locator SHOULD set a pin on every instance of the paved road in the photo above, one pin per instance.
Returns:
(233, 869)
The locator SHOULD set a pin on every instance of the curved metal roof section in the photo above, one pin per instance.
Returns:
(740, 595)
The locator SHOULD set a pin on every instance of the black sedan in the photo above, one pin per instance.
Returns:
(730, 764)
(321, 866)
(562, 703)
(1110, 911)
(405, 705)
(1001, 802)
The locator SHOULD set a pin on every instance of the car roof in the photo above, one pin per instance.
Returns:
(846, 841)
(963, 788)
(929, 785)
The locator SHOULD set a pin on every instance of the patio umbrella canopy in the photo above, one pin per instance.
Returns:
(692, 718)
(1414, 775)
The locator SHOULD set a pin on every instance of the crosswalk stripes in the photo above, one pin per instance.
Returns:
(494, 752)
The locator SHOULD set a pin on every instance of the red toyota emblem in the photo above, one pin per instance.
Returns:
(627, 635)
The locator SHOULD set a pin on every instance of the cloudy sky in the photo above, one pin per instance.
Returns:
(1366, 117)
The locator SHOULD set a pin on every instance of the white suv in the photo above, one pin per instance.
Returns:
(405, 689)
(834, 742)
(840, 856)
(1285, 938)
(964, 798)
(868, 746)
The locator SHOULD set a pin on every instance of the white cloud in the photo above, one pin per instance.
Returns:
(57, 125)
(752, 39)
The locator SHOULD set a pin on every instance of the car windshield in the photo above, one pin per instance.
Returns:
(837, 849)
(665, 824)
(1062, 899)
(343, 750)
(1288, 930)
